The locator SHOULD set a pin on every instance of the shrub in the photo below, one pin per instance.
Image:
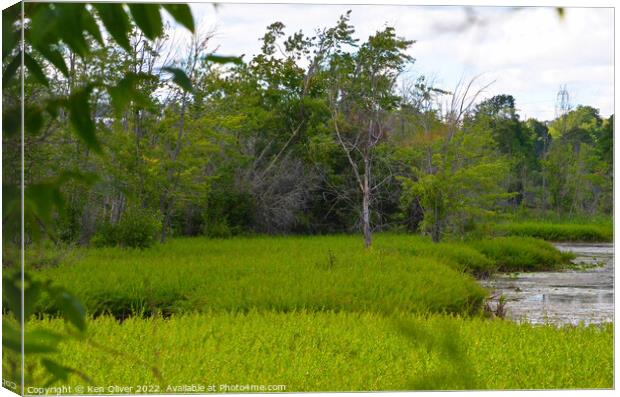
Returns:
(106, 235)
(219, 229)
(138, 228)
(229, 212)
(68, 225)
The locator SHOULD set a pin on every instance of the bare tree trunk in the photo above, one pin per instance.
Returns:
(366, 206)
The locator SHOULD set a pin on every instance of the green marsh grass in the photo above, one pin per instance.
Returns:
(399, 273)
(266, 273)
(315, 314)
(576, 232)
(344, 351)
(522, 253)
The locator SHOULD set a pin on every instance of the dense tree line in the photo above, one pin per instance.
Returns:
(315, 134)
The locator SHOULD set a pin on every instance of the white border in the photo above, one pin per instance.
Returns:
(524, 3)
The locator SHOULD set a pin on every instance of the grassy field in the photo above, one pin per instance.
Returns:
(315, 313)
(330, 351)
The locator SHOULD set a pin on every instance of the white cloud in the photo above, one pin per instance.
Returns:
(529, 52)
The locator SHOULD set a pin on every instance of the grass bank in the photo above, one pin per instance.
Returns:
(521, 253)
(554, 231)
(328, 351)
(400, 273)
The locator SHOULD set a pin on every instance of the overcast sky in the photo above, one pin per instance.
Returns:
(529, 52)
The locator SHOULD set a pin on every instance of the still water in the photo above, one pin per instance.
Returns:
(563, 297)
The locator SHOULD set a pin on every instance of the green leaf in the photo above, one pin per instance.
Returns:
(79, 115)
(126, 90)
(33, 120)
(71, 309)
(40, 199)
(10, 35)
(35, 69)
(70, 26)
(182, 14)
(224, 59)
(11, 337)
(44, 335)
(148, 19)
(11, 293)
(90, 25)
(44, 22)
(58, 372)
(34, 347)
(116, 22)
(54, 57)
(179, 78)
(11, 68)
(53, 105)
(41, 341)
(32, 291)
(11, 214)
(561, 12)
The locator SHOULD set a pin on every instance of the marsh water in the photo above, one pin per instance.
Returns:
(571, 296)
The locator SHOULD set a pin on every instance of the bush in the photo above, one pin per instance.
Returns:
(138, 228)
(217, 230)
(68, 225)
(106, 235)
(229, 212)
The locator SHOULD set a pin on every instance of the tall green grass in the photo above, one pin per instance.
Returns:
(551, 231)
(459, 255)
(522, 253)
(266, 273)
(400, 273)
(314, 314)
(328, 351)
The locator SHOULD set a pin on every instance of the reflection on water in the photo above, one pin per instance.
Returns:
(566, 297)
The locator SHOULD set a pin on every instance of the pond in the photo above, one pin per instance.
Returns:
(561, 297)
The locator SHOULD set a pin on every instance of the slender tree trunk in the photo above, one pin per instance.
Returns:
(436, 229)
(366, 206)
(544, 192)
(165, 224)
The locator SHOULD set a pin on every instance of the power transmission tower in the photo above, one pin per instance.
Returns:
(562, 102)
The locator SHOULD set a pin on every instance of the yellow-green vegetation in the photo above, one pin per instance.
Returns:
(245, 151)
(328, 351)
(312, 313)
(404, 273)
(588, 232)
(522, 253)
(281, 274)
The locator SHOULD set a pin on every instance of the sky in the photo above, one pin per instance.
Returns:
(528, 52)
